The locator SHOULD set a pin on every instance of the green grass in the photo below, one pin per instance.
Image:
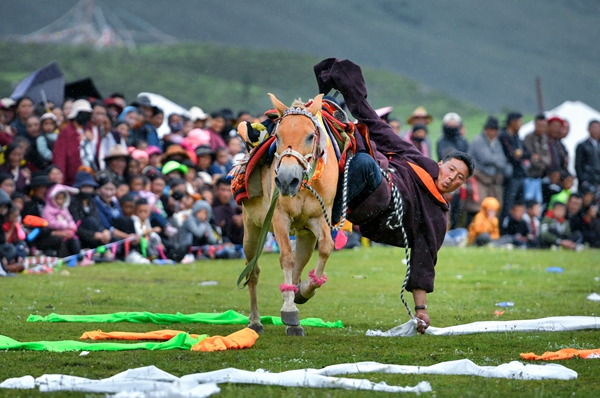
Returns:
(362, 291)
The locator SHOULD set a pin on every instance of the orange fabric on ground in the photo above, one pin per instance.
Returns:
(481, 223)
(155, 335)
(565, 353)
(244, 338)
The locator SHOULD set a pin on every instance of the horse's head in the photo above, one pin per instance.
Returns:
(297, 143)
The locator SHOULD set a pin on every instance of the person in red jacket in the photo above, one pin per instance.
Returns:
(67, 149)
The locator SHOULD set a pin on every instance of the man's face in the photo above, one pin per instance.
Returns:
(452, 175)
(395, 125)
(574, 205)
(555, 129)
(516, 124)
(98, 114)
(33, 126)
(117, 165)
(594, 130)
(491, 133)
(541, 127)
(224, 193)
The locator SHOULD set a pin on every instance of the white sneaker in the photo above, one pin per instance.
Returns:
(136, 258)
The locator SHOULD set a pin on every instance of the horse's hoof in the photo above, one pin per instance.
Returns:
(257, 327)
(299, 298)
(294, 331)
(290, 318)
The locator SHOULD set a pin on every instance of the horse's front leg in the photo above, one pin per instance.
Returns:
(287, 259)
(316, 278)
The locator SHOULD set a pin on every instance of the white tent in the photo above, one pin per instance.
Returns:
(578, 115)
(168, 108)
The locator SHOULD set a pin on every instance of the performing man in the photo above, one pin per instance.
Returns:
(420, 181)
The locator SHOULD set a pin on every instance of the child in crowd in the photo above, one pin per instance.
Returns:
(222, 164)
(136, 184)
(122, 190)
(199, 226)
(153, 246)
(484, 229)
(567, 181)
(18, 200)
(14, 231)
(47, 138)
(556, 231)
(532, 219)
(56, 213)
(514, 225)
(551, 185)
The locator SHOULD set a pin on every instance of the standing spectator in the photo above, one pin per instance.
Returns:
(490, 164)
(451, 138)
(420, 116)
(13, 156)
(395, 125)
(558, 151)
(587, 157)
(228, 216)
(24, 110)
(69, 146)
(418, 136)
(518, 157)
(539, 148)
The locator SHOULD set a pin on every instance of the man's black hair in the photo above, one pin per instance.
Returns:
(222, 181)
(126, 198)
(141, 201)
(576, 195)
(157, 111)
(117, 95)
(540, 116)
(592, 122)
(463, 157)
(530, 203)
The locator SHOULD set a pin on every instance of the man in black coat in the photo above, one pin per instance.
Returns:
(587, 157)
(420, 181)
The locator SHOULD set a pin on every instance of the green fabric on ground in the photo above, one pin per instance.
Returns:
(226, 318)
(182, 341)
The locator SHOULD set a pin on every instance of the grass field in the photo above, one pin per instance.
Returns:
(362, 291)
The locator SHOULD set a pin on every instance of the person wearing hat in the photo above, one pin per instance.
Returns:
(73, 144)
(116, 163)
(558, 151)
(7, 108)
(205, 157)
(13, 159)
(7, 112)
(107, 205)
(113, 108)
(217, 128)
(146, 132)
(48, 135)
(198, 117)
(90, 230)
(490, 167)
(419, 116)
(518, 157)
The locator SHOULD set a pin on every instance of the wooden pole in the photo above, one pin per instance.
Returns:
(538, 89)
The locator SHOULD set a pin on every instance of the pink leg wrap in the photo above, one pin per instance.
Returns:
(317, 281)
(288, 288)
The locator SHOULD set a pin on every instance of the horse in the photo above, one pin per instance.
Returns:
(300, 172)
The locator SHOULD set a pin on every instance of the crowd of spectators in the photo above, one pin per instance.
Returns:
(97, 172)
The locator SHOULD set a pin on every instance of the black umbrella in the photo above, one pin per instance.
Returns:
(48, 79)
(83, 88)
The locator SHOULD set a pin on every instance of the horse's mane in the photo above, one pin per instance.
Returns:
(298, 104)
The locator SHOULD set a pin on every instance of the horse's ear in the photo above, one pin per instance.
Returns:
(279, 106)
(315, 107)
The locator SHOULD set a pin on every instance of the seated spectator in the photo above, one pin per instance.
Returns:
(106, 204)
(49, 134)
(153, 246)
(587, 195)
(567, 181)
(9, 258)
(228, 215)
(588, 223)
(222, 164)
(7, 183)
(204, 157)
(33, 158)
(13, 156)
(54, 174)
(90, 230)
(122, 190)
(484, 228)
(136, 184)
(532, 218)
(14, 231)
(154, 156)
(574, 206)
(56, 213)
(556, 231)
(133, 168)
(551, 185)
(516, 227)
(198, 224)
(116, 163)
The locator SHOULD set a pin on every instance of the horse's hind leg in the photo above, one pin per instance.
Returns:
(251, 234)
(316, 279)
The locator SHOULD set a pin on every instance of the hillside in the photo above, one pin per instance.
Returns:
(213, 76)
(487, 53)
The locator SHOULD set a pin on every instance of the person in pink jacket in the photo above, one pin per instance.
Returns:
(56, 212)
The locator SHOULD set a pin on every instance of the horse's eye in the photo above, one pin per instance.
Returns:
(310, 137)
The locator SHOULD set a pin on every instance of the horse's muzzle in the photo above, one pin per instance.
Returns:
(288, 179)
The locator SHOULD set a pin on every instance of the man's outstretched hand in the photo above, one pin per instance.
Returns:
(423, 317)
